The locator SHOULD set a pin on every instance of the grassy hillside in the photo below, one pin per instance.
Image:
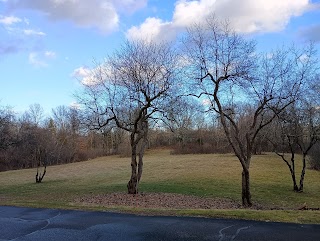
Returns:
(200, 175)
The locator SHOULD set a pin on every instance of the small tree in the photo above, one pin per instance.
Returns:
(41, 159)
(298, 135)
(128, 90)
(299, 126)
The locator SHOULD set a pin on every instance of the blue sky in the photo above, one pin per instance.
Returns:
(48, 46)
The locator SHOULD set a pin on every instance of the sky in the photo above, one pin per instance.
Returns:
(47, 47)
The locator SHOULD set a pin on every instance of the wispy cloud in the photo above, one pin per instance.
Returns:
(33, 32)
(9, 20)
(40, 59)
(15, 25)
(50, 54)
(17, 35)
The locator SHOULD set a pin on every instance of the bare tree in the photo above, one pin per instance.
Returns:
(299, 126)
(246, 91)
(128, 90)
(66, 128)
(182, 118)
(34, 114)
(7, 137)
(34, 147)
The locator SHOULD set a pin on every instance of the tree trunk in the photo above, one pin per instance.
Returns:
(143, 146)
(246, 194)
(39, 177)
(295, 186)
(133, 182)
(141, 154)
(303, 171)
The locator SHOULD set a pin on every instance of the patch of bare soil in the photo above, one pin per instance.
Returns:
(158, 200)
(2, 198)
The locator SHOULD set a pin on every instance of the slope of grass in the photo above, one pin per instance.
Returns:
(201, 175)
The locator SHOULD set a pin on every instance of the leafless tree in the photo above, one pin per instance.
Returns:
(182, 118)
(299, 125)
(7, 136)
(66, 123)
(34, 114)
(245, 89)
(128, 90)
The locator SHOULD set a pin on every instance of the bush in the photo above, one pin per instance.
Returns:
(314, 157)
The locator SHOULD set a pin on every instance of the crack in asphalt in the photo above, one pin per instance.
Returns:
(238, 231)
(27, 220)
(222, 235)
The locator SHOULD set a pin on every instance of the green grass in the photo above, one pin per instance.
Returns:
(200, 175)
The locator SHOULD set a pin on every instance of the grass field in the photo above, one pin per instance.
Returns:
(201, 175)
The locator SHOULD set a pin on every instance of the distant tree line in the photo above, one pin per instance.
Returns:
(31, 139)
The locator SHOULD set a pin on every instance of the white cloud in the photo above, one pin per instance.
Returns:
(187, 13)
(75, 105)
(100, 14)
(18, 26)
(33, 32)
(84, 75)
(152, 28)
(263, 16)
(40, 59)
(35, 60)
(206, 102)
(91, 77)
(81, 72)
(245, 16)
(50, 54)
(9, 20)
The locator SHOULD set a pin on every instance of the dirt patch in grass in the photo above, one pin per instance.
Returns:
(171, 201)
(159, 200)
(2, 198)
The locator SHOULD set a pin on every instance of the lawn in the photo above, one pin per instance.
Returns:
(210, 175)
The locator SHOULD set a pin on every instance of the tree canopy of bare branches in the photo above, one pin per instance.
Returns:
(128, 90)
(298, 127)
(245, 89)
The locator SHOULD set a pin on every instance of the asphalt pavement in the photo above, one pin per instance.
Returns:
(17, 223)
